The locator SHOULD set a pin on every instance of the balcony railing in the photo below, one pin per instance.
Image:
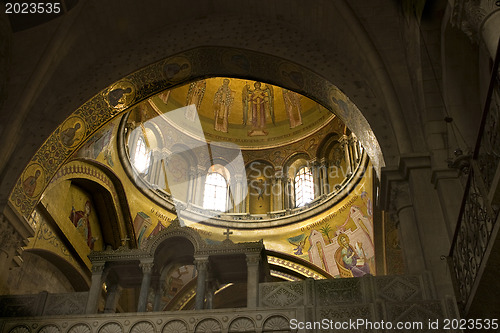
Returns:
(283, 306)
(476, 228)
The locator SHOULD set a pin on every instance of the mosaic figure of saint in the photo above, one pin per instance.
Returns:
(29, 184)
(81, 220)
(223, 100)
(259, 103)
(293, 108)
(194, 98)
(68, 135)
(118, 97)
(353, 258)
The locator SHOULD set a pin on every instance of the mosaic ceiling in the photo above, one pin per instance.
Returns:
(254, 115)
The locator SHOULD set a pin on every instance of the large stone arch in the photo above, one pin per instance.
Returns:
(171, 72)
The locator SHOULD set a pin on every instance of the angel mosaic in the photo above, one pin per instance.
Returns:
(259, 102)
(299, 242)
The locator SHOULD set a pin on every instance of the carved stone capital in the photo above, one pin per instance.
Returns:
(146, 267)
(98, 268)
(253, 259)
(201, 263)
(193, 172)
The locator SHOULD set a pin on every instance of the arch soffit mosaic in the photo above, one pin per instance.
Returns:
(171, 72)
(104, 178)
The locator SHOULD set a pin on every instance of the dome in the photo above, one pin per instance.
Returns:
(238, 153)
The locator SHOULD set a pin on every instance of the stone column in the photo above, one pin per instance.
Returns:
(202, 268)
(113, 296)
(239, 197)
(324, 177)
(147, 268)
(200, 176)
(280, 188)
(191, 186)
(314, 165)
(344, 141)
(274, 195)
(289, 193)
(229, 202)
(253, 262)
(211, 289)
(355, 151)
(95, 287)
(286, 196)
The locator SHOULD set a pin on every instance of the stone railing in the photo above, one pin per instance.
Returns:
(368, 289)
(224, 320)
(395, 299)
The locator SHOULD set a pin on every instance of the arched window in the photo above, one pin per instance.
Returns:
(215, 196)
(142, 156)
(304, 187)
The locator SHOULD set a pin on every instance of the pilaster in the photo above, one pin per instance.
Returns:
(415, 203)
(201, 264)
(95, 287)
(147, 268)
(253, 263)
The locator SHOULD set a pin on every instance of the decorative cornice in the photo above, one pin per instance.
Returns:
(401, 173)
(120, 254)
(201, 248)
(438, 175)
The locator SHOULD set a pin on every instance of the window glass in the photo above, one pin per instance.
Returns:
(215, 195)
(142, 156)
(304, 187)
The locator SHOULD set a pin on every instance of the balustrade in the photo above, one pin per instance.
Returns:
(476, 228)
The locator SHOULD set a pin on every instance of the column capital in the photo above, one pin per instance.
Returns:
(98, 267)
(239, 177)
(344, 139)
(201, 263)
(253, 258)
(193, 172)
(146, 267)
